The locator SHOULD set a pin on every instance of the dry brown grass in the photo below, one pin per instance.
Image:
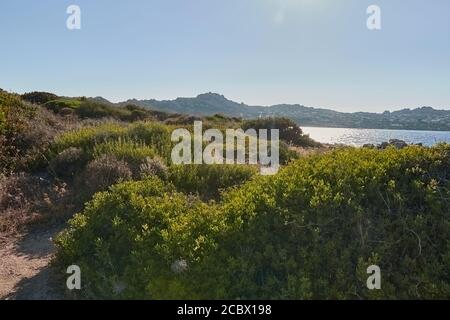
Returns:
(304, 152)
(101, 173)
(26, 199)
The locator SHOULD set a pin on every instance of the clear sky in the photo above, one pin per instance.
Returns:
(313, 52)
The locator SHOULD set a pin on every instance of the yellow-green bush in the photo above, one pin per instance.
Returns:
(209, 180)
(127, 240)
(134, 153)
(86, 138)
(310, 231)
(25, 133)
(153, 134)
(149, 133)
(132, 143)
(89, 108)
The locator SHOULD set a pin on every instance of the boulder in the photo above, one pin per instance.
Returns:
(399, 144)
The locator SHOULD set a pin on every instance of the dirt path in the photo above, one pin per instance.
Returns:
(25, 271)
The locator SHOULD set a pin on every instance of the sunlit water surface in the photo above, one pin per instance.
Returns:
(359, 137)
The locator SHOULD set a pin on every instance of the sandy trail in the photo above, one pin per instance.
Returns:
(25, 271)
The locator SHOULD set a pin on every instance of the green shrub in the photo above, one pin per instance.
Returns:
(135, 113)
(86, 138)
(13, 114)
(129, 240)
(39, 97)
(153, 134)
(131, 143)
(26, 132)
(310, 231)
(130, 151)
(91, 109)
(63, 103)
(286, 154)
(289, 131)
(209, 180)
(149, 133)
(2, 121)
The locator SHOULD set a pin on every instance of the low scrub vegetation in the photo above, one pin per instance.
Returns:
(26, 132)
(209, 180)
(59, 139)
(289, 131)
(100, 174)
(149, 229)
(27, 199)
(310, 231)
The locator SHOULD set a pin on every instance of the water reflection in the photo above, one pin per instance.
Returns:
(359, 137)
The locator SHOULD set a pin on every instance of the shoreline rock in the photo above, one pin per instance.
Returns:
(397, 143)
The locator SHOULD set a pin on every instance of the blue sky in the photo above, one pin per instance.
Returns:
(313, 52)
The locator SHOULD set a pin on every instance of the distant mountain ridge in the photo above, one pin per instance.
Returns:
(425, 118)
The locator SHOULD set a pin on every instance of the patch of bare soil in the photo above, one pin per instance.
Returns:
(25, 269)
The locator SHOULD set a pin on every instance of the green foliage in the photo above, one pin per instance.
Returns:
(127, 239)
(221, 122)
(134, 113)
(13, 113)
(133, 153)
(86, 138)
(286, 154)
(148, 133)
(223, 231)
(91, 109)
(310, 231)
(209, 180)
(153, 134)
(2, 120)
(132, 143)
(62, 103)
(289, 131)
(14, 123)
(39, 97)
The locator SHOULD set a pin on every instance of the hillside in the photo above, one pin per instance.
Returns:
(425, 118)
